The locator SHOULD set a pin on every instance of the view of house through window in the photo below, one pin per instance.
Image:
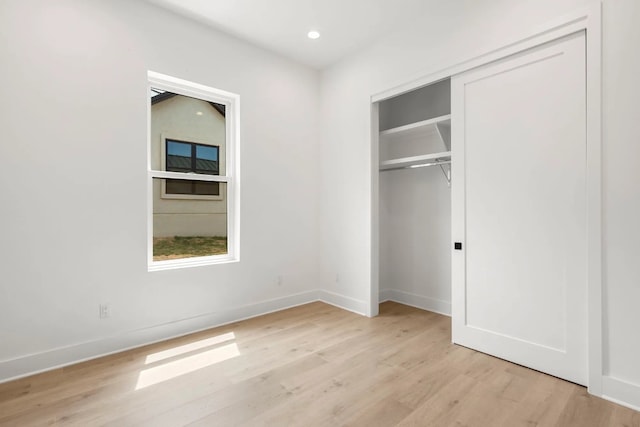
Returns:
(189, 157)
(189, 176)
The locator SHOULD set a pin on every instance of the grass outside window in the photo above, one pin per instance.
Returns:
(177, 247)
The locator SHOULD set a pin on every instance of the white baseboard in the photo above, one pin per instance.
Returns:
(621, 392)
(615, 390)
(346, 303)
(63, 356)
(418, 301)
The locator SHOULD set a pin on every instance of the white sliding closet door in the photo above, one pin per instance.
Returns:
(519, 209)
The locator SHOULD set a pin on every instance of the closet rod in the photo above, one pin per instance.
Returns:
(420, 165)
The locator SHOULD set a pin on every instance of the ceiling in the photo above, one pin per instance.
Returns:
(282, 25)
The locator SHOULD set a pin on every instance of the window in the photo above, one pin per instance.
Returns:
(192, 173)
(189, 157)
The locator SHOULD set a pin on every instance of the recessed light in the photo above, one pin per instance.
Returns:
(313, 35)
(199, 113)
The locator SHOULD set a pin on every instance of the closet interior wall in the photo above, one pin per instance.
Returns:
(415, 203)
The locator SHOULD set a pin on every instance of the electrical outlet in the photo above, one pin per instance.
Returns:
(105, 311)
(279, 280)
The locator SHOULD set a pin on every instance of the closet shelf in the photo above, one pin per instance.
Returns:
(417, 127)
(443, 157)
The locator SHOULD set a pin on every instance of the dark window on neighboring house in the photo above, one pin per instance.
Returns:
(190, 157)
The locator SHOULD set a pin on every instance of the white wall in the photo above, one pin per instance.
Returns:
(456, 31)
(621, 199)
(73, 180)
(415, 238)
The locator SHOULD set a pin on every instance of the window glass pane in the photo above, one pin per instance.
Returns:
(180, 149)
(209, 167)
(207, 159)
(185, 187)
(186, 228)
(206, 152)
(178, 156)
(194, 131)
(178, 186)
(206, 188)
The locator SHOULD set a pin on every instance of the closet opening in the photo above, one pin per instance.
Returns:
(414, 197)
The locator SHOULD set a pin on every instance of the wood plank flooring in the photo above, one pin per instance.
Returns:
(313, 365)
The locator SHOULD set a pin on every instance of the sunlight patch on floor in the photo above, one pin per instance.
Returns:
(186, 365)
(177, 351)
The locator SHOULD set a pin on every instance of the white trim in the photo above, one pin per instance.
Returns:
(232, 164)
(417, 301)
(233, 187)
(201, 261)
(588, 19)
(621, 392)
(344, 302)
(594, 199)
(374, 308)
(31, 364)
(149, 183)
(189, 176)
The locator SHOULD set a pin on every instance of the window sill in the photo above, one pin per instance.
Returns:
(191, 262)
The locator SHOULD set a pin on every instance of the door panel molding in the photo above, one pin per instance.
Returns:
(523, 296)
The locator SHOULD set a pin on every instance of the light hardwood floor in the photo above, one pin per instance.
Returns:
(313, 365)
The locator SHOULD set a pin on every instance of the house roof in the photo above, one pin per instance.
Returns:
(159, 96)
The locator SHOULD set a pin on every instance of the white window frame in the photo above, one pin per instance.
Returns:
(231, 102)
